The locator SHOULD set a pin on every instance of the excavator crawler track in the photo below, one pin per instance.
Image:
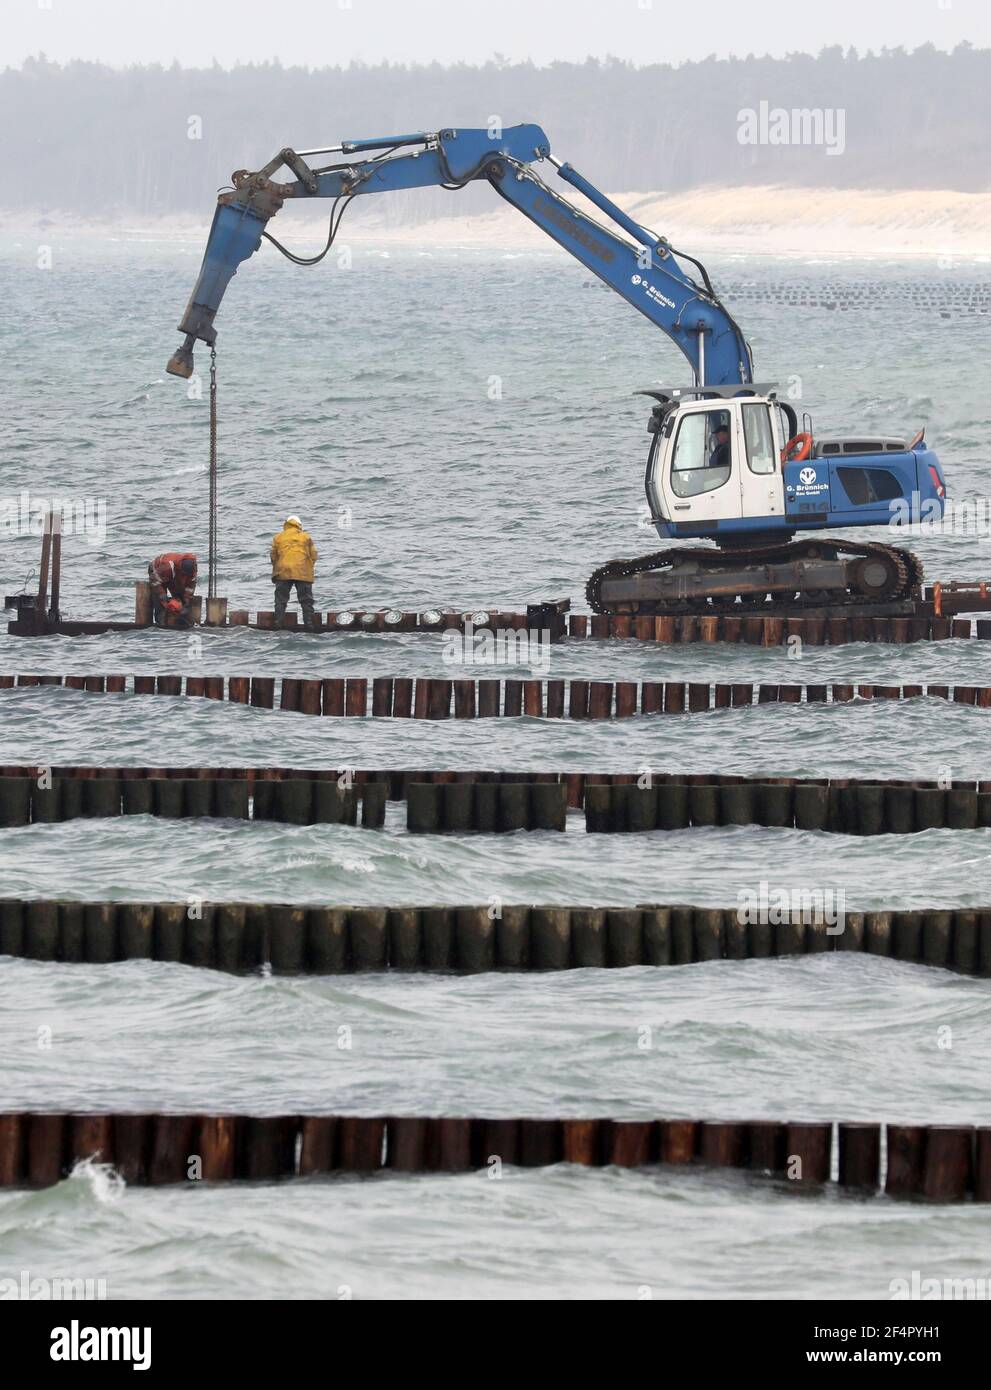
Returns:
(898, 576)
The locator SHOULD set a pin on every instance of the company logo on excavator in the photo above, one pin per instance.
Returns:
(652, 291)
(810, 483)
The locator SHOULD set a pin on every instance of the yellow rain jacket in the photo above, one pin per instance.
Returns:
(293, 554)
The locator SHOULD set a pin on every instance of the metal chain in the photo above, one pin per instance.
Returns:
(212, 580)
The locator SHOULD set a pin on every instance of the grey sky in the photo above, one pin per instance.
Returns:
(321, 32)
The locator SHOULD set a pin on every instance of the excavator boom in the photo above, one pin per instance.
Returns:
(643, 269)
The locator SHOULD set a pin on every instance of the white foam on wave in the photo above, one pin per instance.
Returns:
(105, 1182)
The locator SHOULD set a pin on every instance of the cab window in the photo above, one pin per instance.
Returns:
(759, 439)
(702, 453)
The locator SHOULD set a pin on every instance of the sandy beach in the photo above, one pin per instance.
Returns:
(835, 222)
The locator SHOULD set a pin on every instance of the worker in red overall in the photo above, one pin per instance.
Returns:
(172, 577)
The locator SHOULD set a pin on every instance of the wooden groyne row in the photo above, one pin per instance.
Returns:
(433, 807)
(843, 806)
(758, 630)
(496, 801)
(862, 295)
(753, 629)
(750, 629)
(296, 939)
(397, 780)
(938, 1163)
(428, 698)
(297, 801)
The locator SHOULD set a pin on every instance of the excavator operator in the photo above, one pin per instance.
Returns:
(720, 456)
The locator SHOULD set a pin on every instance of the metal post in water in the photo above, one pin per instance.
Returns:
(212, 562)
(56, 525)
(46, 552)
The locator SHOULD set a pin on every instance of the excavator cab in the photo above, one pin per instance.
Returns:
(730, 465)
(714, 466)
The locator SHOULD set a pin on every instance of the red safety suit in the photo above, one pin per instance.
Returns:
(167, 578)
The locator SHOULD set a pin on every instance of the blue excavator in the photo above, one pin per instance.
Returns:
(727, 461)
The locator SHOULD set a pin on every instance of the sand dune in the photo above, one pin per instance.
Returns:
(778, 221)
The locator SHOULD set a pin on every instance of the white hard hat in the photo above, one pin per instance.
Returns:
(293, 519)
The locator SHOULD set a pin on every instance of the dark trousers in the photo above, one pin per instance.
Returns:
(159, 613)
(304, 592)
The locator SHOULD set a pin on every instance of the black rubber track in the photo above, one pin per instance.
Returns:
(907, 570)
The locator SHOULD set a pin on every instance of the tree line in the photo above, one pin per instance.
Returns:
(156, 140)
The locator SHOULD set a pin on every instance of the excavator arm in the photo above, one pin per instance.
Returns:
(645, 270)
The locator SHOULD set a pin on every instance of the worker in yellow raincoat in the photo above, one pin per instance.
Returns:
(294, 558)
